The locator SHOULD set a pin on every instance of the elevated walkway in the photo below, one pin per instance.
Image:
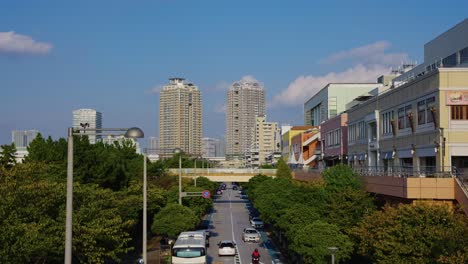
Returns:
(224, 175)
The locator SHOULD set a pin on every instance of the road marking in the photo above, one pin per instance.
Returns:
(237, 257)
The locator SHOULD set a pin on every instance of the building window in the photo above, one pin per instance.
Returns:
(464, 55)
(459, 112)
(430, 103)
(387, 122)
(422, 112)
(408, 113)
(450, 61)
(401, 118)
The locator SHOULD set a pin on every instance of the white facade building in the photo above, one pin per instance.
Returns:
(266, 141)
(212, 147)
(22, 138)
(88, 116)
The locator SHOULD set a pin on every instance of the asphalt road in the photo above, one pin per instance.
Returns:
(228, 219)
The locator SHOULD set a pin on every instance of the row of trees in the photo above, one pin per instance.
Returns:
(107, 204)
(336, 211)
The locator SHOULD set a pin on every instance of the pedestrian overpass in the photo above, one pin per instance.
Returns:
(224, 174)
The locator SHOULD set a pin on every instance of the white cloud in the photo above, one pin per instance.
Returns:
(11, 42)
(304, 87)
(249, 78)
(374, 53)
(369, 62)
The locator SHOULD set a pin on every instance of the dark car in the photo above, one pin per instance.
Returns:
(235, 187)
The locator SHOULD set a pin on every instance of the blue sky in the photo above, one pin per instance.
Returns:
(57, 56)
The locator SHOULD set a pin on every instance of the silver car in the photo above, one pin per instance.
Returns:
(256, 222)
(251, 235)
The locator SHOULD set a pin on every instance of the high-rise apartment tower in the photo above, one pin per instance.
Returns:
(245, 101)
(180, 118)
(92, 118)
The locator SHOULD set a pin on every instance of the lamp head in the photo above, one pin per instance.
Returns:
(134, 132)
(177, 150)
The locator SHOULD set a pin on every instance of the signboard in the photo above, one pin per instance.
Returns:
(206, 194)
(457, 97)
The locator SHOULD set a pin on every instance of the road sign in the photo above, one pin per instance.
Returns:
(206, 194)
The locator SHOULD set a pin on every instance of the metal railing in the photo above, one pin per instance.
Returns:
(207, 171)
(408, 171)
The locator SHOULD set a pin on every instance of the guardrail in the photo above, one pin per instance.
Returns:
(408, 171)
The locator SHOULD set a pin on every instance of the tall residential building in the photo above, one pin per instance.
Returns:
(266, 140)
(22, 138)
(212, 147)
(180, 118)
(90, 116)
(245, 101)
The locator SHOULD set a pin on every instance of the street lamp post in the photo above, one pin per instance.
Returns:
(333, 250)
(144, 209)
(179, 151)
(133, 132)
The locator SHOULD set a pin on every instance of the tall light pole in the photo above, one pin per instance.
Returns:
(333, 250)
(133, 132)
(179, 151)
(144, 209)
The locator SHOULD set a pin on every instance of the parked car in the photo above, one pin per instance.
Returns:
(251, 235)
(219, 192)
(234, 187)
(227, 248)
(256, 222)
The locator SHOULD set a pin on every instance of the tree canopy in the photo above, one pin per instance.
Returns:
(173, 219)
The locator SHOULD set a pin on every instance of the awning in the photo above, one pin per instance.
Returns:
(404, 154)
(425, 152)
(387, 155)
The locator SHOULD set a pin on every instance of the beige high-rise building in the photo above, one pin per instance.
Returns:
(180, 118)
(245, 101)
(266, 140)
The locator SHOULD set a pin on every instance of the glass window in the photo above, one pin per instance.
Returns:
(464, 55)
(459, 112)
(408, 113)
(450, 61)
(401, 118)
(189, 252)
(421, 112)
(430, 102)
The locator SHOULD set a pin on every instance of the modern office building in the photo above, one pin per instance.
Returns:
(266, 141)
(420, 123)
(180, 118)
(331, 100)
(245, 102)
(88, 119)
(22, 138)
(212, 147)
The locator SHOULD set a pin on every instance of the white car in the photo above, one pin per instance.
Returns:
(251, 235)
(256, 222)
(227, 248)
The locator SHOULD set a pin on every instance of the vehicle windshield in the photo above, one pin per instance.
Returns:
(256, 219)
(250, 231)
(191, 252)
(226, 244)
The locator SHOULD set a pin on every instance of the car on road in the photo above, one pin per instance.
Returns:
(251, 235)
(234, 187)
(226, 248)
(256, 222)
(219, 192)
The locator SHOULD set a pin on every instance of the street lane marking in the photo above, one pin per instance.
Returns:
(237, 257)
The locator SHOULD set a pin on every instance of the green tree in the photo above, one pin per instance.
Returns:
(283, 170)
(340, 177)
(7, 156)
(173, 219)
(413, 234)
(312, 241)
